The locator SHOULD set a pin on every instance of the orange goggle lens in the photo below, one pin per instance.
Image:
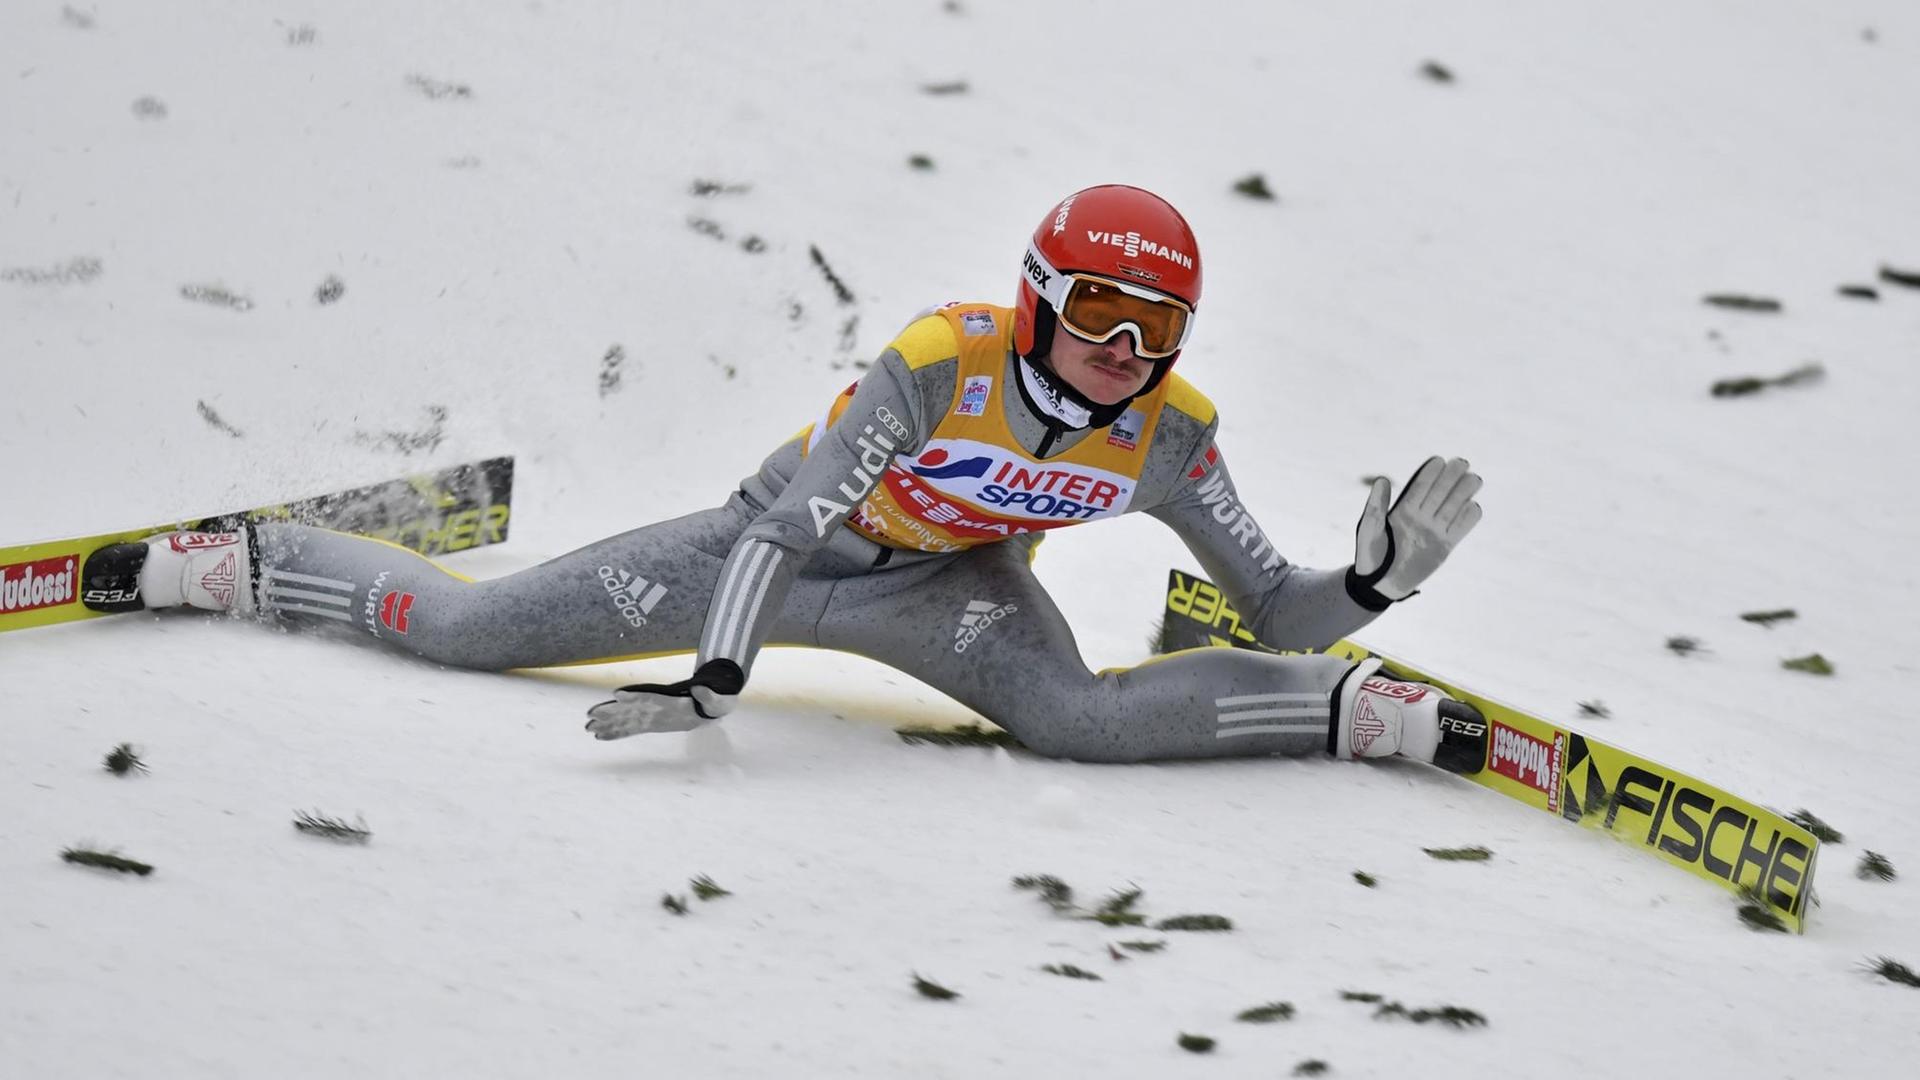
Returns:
(1096, 310)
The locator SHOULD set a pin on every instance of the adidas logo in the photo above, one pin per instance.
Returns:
(633, 596)
(977, 619)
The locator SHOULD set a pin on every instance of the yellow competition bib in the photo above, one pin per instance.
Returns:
(971, 483)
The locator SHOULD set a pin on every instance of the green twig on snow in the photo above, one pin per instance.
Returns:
(124, 759)
(1757, 914)
(1117, 909)
(930, 989)
(1821, 831)
(1768, 618)
(1071, 972)
(1143, 946)
(1682, 645)
(1057, 894)
(1254, 186)
(1460, 854)
(1874, 867)
(1743, 302)
(967, 735)
(1893, 971)
(1195, 922)
(1365, 878)
(705, 889)
(1812, 664)
(105, 860)
(1894, 276)
(675, 904)
(316, 824)
(1196, 1044)
(1268, 1013)
(1743, 385)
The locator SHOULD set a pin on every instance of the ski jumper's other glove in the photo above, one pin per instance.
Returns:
(682, 706)
(1395, 549)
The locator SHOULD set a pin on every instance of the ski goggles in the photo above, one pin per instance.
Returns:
(1095, 308)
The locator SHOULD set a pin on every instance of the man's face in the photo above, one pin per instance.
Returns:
(1107, 372)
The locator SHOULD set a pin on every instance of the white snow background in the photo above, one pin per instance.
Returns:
(1509, 267)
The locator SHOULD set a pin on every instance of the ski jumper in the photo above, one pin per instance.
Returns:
(899, 527)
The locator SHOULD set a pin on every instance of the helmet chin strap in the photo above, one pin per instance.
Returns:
(1054, 398)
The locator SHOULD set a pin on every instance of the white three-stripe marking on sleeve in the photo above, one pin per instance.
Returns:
(733, 601)
(759, 594)
(717, 617)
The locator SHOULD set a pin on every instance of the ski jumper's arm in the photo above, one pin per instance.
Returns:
(1284, 605)
(883, 420)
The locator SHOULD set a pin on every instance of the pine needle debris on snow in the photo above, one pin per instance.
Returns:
(105, 860)
(967, 735)
(1460, 854)
(1893, 971)
(1070, 971)
(1821, 831)
(1812, 664)
(1203, 923)
(317, 824)
(930, 989)
(123, 759)
(1874, 867)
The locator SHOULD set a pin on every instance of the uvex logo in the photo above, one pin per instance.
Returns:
(1041, 278)
(1060, 216)
(199, 541)
(1393, 688)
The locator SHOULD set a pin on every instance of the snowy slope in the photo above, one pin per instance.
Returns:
(1508, 267)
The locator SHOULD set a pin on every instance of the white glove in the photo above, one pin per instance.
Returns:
(1396, 549)
(682, 706)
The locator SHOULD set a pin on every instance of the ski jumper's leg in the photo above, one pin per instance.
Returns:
(980, 628)
(641, 593)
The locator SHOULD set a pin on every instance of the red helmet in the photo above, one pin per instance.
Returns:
(1128, 237)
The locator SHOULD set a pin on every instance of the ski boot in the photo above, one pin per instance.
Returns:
(1376, 715)
(211, 571)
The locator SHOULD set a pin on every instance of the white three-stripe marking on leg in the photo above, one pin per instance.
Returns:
(308, 579)
(1273, 729)
(276, 592)
(325, 613)
(1271, 699)
(1273, 714)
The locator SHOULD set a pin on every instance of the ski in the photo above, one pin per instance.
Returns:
(451, 509)
(1693, 825)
